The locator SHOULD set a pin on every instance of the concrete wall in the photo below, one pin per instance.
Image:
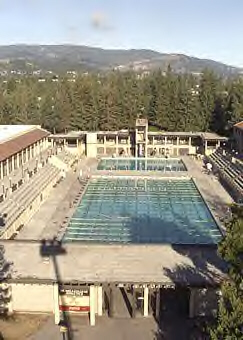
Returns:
(91, 144)
(32, 298)
(238, 137)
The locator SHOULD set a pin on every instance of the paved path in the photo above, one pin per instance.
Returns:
(105, 329)
(211, 189)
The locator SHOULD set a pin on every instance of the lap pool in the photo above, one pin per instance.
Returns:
(145, 164)
(124, 210)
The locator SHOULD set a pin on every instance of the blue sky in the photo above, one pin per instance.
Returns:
(204, 28)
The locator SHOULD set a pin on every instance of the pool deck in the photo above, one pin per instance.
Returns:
(59, 206)
(214, 194)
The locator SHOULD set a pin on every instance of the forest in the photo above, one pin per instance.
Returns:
(112, 101)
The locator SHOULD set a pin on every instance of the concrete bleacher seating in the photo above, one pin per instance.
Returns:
(63, 159)
(20, 201)
(230, 171)
(22, 174)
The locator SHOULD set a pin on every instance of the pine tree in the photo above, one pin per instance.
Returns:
(230, 316)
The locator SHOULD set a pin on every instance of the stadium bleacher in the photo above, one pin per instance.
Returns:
(230, 172)
(19, 202)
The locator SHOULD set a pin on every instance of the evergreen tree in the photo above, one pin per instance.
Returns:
(230, 316)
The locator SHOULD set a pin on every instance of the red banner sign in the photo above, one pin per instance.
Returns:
(74, 308)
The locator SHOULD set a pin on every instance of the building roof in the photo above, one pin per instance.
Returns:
(239, 125)
(121, 133)
(8, 132)
(165, 264)
(14, 145)
(212, 136)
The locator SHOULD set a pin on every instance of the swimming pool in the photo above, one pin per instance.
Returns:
(145, 164)
(123, 210)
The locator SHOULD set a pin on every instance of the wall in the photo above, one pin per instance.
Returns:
(238, 136)
(91, 145)
(32, 298)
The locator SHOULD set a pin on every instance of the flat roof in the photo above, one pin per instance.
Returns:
(204, 135)
(213, 136)
(115, 263)
(11, 131)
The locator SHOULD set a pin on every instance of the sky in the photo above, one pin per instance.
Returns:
(203, 28)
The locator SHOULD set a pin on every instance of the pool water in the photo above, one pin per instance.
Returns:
(142, 211)
(145, 164)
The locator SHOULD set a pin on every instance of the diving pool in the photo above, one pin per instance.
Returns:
(144, 164)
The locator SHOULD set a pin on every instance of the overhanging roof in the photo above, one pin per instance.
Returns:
(15, 145)
(86, 263)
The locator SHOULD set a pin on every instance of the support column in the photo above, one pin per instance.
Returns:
(22, 155)
(104, 145)
(100, 300)
(145, 301)
(116, 144)
(7, 168)
(77, 146)
(92, 305)
(206, 147)
(17, 160)
(56, 303)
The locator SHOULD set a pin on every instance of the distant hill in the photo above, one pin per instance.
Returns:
(63, 58)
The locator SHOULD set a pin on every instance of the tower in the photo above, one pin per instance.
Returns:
(141, 137)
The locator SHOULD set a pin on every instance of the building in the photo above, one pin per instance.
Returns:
(238, 136)
(57, 275)
(20, 145)
(139, 142)
(27, 174)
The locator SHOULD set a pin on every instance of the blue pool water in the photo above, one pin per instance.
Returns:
(145, 164)
(142, 211)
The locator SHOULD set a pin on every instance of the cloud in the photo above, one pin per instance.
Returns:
(100, 21)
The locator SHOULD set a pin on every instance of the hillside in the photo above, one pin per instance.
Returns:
(62, 58)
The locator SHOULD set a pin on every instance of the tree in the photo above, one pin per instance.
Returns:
(5, 272)
(230, 315)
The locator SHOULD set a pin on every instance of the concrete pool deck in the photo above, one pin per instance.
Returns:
(57, 208)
